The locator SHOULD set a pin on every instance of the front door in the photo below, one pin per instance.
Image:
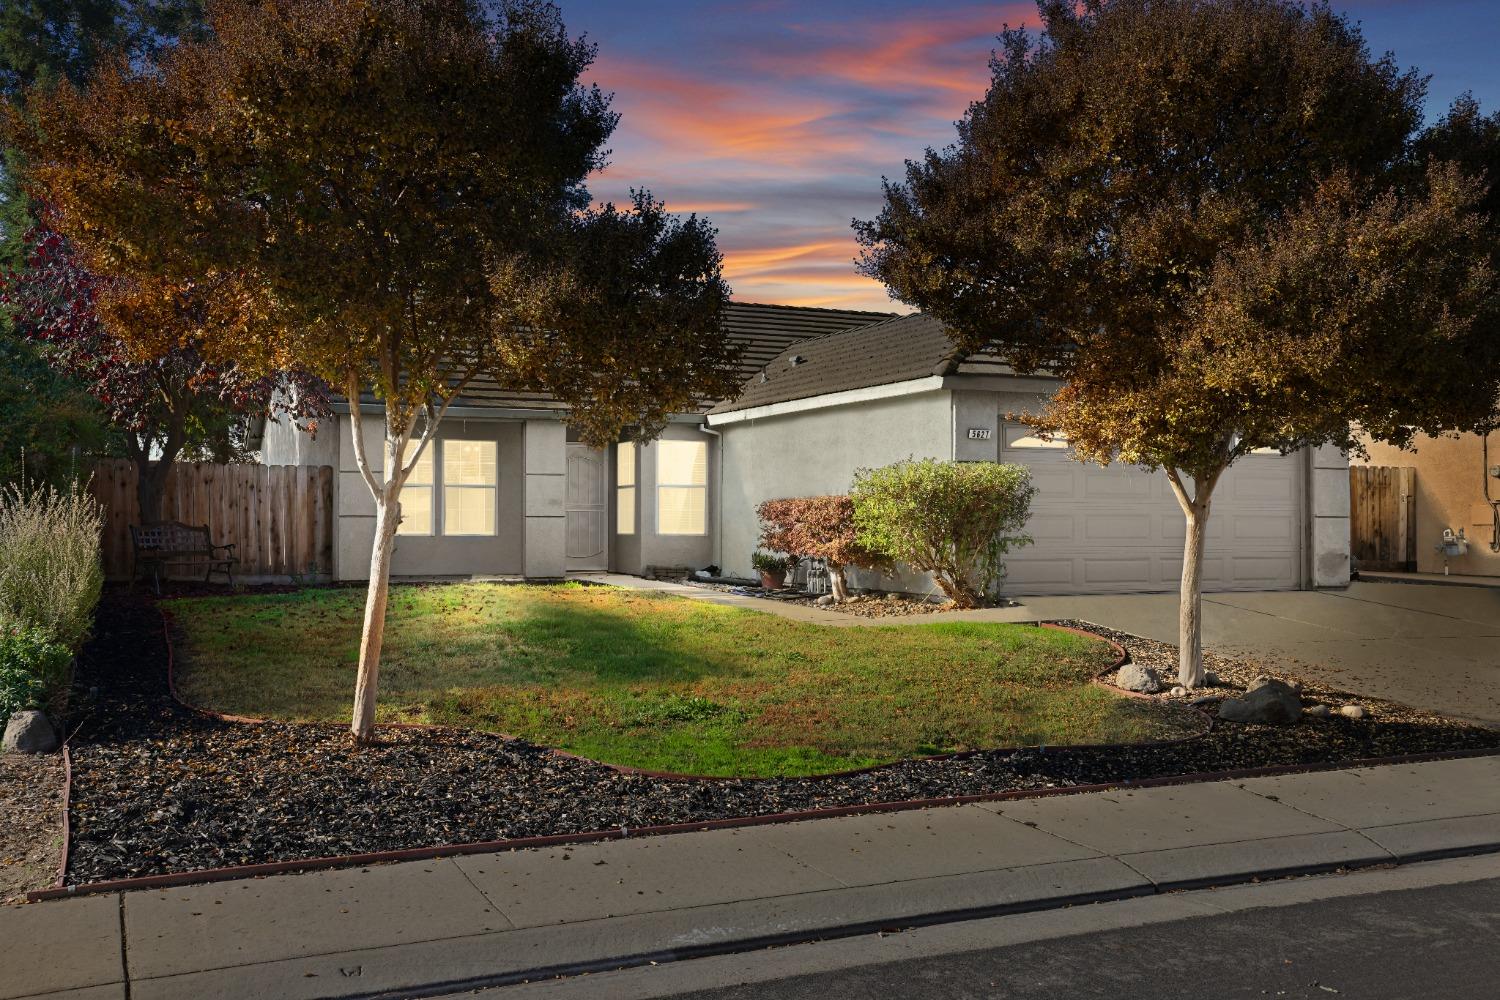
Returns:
(588, 515)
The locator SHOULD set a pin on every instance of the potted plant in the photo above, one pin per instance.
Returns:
(772, 569)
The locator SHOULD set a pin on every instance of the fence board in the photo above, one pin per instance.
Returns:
(1382, 517)
(280, 518)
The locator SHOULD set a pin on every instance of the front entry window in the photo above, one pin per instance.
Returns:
(682, 488)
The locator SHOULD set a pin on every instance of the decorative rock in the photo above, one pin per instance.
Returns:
(1268, 702)
(30, 732)
(1135, 677)
(825, 600)
(1179, 691)
(1204, 701)
(1317, 711)
(1353, 712)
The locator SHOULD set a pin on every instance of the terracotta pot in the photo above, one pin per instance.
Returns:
(772, 581)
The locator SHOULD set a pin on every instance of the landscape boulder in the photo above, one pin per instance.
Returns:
(30, 732)
(1353, 712)
(1267, 703)
(1135, 677)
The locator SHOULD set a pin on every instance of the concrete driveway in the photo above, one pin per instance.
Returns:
(1434, 647)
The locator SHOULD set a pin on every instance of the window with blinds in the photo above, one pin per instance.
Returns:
(682, 488)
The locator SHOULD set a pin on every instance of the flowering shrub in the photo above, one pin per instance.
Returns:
(818, 528)
(955, 520)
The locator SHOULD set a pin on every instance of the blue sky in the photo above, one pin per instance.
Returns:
(777, 119)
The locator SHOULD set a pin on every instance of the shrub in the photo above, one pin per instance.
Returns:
(818, 528)
(955, 520)
(771, 562)
(50, 574)
(33, 669)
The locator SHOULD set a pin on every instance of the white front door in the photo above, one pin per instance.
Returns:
(588, 509)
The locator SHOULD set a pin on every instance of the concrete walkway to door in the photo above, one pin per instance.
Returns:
(1433, 647)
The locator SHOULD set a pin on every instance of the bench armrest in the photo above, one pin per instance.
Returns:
(223, 548)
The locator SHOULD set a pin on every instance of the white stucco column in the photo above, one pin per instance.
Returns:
(546, 466)
(1328, 490)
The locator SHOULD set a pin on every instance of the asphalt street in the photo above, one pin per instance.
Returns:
(1440, 942)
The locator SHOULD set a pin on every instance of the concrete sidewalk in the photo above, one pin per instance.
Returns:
(805, 612)
(432, 927)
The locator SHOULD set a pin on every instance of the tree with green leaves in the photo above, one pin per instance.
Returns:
(389, 194)
(1218, 222)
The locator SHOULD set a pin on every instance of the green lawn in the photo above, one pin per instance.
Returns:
(659, 682)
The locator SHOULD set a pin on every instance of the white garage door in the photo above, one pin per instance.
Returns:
(1119, 529)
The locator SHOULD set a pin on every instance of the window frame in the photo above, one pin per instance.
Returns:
(429, 455)
(631, 489)
(492, 487)
(701, 487)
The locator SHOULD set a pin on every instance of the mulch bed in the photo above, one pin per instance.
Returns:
(31, 797)
(158, 788)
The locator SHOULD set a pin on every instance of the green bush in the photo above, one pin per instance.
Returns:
(33, 669)
(50, 573)
(955, 520)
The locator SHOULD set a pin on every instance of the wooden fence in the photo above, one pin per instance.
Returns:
(279, 517)
(1383, 517)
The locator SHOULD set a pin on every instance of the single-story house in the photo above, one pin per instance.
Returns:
(1456, 487)
(506, 490)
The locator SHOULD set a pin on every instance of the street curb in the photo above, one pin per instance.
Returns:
(751, 942)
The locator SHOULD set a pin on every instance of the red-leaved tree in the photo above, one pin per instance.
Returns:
(164, 403)
(818, 528)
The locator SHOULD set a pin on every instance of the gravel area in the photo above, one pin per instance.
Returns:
(158, 788)
(31, 797)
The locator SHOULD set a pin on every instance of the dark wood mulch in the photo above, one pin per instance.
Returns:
(158, 788)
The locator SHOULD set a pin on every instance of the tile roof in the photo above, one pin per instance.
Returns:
(895, 350)
(763, 331)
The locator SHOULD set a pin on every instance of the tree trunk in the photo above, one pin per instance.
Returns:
(151, 487)
(367, 681)
(836, 582)
(1190, 604)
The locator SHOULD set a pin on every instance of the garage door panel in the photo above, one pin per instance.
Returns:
(1264, 528)
(1054, 483)
(1109, 570)
(1052, 528)
(1109, 484)
(1119, 529)
(1043, 572)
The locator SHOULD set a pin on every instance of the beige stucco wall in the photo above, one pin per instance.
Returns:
(1450, 494)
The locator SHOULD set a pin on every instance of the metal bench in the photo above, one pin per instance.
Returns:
(172, 543)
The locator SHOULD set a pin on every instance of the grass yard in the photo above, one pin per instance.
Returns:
(659, 682)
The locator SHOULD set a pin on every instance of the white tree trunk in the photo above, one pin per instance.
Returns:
(1190, 604)
(367, 681)
(386, 492)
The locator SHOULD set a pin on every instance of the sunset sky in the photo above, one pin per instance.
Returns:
(777, 118)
